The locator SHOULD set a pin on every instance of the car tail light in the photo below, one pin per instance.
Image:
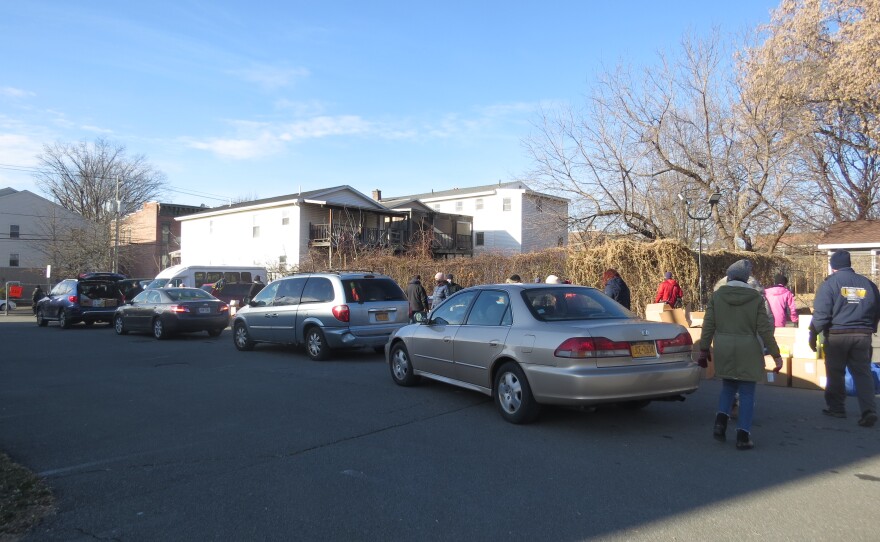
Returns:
(178, 308)
(224, 308)
(341, 313)
(682, 343)
(72, 298)
(591, 347)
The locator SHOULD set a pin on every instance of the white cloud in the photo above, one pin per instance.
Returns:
(271, 77)
(239, 149)
(13, 92)
(327, 126)
(90, 128)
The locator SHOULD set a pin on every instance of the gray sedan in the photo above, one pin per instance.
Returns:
(531, 344)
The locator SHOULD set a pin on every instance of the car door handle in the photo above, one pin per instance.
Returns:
(447, 338)
(493, 344)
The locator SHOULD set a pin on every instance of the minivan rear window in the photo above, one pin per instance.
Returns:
(377, 289)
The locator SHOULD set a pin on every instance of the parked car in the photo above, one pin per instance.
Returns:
(90, 298)
(166, 311)
(323, 311)
(3, 304)
(229, 291)
(528, 345)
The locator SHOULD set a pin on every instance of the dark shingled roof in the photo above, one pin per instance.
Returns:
(858, 231)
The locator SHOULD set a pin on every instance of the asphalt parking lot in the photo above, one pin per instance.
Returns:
(189, 439)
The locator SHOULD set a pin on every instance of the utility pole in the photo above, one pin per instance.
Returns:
(116, 244)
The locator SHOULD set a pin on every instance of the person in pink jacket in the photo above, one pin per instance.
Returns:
(781, 301)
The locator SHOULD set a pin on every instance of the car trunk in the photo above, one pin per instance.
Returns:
(642, 337)
(377, 306)
(98, 294)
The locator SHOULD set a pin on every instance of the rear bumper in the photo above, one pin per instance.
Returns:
(344, 338)
(91, 314)
(197, 324)
(590, 385)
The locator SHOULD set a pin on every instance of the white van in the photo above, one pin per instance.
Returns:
(195, 276)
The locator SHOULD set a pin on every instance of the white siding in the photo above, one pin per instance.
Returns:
(35, 216)
(228, 239)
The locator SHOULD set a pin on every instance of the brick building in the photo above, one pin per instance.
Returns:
(148, 236)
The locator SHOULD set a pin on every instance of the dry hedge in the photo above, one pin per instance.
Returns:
(641, 265)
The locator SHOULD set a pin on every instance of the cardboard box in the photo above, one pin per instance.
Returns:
(808, 373)
(697, 318)
(654, 311)
(661, 312)
(782, 378)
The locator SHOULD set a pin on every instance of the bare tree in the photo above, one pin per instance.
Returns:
(84, 178)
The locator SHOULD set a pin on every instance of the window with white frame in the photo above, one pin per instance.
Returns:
(13, 231)
(437, 207)
(282, 259)
(210, 226)
(256, 227)
(479, 238)
(13, 260)
(478, 205)
(505, 204)
(459, 206)
(285, 217)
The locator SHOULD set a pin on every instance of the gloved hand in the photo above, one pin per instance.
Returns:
(778, 360)
(812, 340)
(703, 359)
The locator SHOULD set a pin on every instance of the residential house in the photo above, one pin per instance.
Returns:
(447, 235)
(861, 238)
(148, 237)
(29, 225)
(508, 217)
(282, 230)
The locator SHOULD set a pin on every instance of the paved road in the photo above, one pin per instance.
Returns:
(190, 439)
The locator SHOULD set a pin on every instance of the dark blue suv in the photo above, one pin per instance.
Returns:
(93, 297)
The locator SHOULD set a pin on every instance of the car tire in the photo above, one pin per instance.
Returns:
(241, 338)
(401, 366)
(215, 332)
(119, 325)
(513, 395)
(316, 344)
(159, 331)
(634, 405)
(41, 319)
(63, 319)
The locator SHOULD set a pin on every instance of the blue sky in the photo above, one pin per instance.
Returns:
(260, 99)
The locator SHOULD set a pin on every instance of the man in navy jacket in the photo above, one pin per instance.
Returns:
(847, 310)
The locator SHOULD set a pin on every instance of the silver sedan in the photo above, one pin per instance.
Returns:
(528, 345)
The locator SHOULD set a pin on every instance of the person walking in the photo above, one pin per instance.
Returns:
(514, 279)
(441, 290)
(669, 292)
(781, 302)
(36, 296)
(847, 310)
(615, 287)
(735, 319)
(418, 299)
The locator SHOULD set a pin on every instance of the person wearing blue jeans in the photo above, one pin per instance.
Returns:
(737, 326)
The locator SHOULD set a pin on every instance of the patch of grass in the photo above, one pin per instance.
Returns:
(24, 499)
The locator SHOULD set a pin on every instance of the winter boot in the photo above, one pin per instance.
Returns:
(743, 440)
(720, 432)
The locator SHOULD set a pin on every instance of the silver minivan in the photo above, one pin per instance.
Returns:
(323, 311)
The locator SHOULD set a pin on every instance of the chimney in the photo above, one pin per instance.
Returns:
(377, 195)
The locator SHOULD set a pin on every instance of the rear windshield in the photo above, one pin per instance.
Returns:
(99, 289)
(375, 289)
(572, 303)
(187, 294)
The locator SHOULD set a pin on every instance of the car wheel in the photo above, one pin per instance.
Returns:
(634, 405)
(215, 332)
(316, 345)
(242, 338)
(119, 325)
(159, 330)
(513, 396)
(401, 366)
(41, 319)
(63, 319)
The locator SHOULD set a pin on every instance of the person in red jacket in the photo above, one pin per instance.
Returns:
(669, 291)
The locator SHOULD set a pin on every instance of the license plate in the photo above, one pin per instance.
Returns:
(381, 316)
(97, 302)
(204, 310)
(643, 350)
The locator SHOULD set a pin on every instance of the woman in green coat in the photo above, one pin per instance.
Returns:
(737, 320)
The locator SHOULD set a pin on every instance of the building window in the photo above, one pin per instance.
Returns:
(210, 226)
(459, 206)
(480, 239)
(285, 217)
(505, 206)
(13, 231)
(256, 232)
(479, 204)
(282, 259)
(166, 234)
(539, 206)
(13, 260)
(437, 207)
